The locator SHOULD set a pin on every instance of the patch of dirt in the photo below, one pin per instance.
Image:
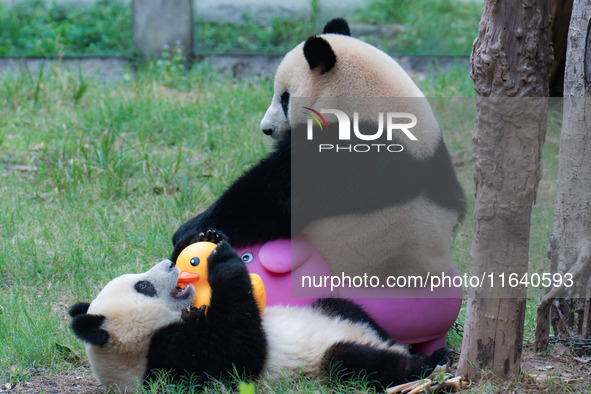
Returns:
(560, 369)
(556, 372)
(74, 382)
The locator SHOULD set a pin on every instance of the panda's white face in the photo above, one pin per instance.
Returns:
(291, 77)
(360, 70)
(134, 307)
(137, 304)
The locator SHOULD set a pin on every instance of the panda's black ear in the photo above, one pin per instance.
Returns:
(319, 53)
(87, 328)
(337, 26)
(81, 307)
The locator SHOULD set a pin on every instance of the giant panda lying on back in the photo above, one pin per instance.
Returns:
(135, 327)
(390, 213)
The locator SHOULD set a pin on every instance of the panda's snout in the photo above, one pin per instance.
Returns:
(166, 265)
(268, 131)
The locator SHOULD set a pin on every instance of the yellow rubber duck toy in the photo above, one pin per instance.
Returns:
(192, 262)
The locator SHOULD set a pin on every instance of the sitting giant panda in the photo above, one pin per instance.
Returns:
(136, 327)
(385, 213)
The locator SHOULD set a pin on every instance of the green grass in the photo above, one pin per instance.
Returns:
(280, 36)
(40, 28)
(300, 384)
(430, 27)
(453, 81)
(96, 177)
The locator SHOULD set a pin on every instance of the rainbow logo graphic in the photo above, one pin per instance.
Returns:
(317, 117)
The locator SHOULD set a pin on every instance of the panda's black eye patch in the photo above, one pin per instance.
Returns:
(146, 288)
(285, 102)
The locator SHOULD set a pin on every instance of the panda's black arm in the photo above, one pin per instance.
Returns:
(232, 298)
(255, 208)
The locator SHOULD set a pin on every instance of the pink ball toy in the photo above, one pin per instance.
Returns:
(416, 316)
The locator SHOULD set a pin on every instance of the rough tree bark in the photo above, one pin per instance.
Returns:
(511, 61)
(570, 242)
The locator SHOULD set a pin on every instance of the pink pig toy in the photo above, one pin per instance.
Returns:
(282, 261)
(416, 316)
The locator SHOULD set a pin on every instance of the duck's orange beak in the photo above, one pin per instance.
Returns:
(187, 277)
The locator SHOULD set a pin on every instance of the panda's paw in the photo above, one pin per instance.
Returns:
(212, 235)
(441, 356)
(223, 254)
(225, 268)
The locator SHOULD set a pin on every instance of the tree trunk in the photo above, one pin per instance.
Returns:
(570, 242)
(510, 61)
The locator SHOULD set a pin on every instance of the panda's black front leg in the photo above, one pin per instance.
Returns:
(233, 314)
(232, 298)
(255, 208)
